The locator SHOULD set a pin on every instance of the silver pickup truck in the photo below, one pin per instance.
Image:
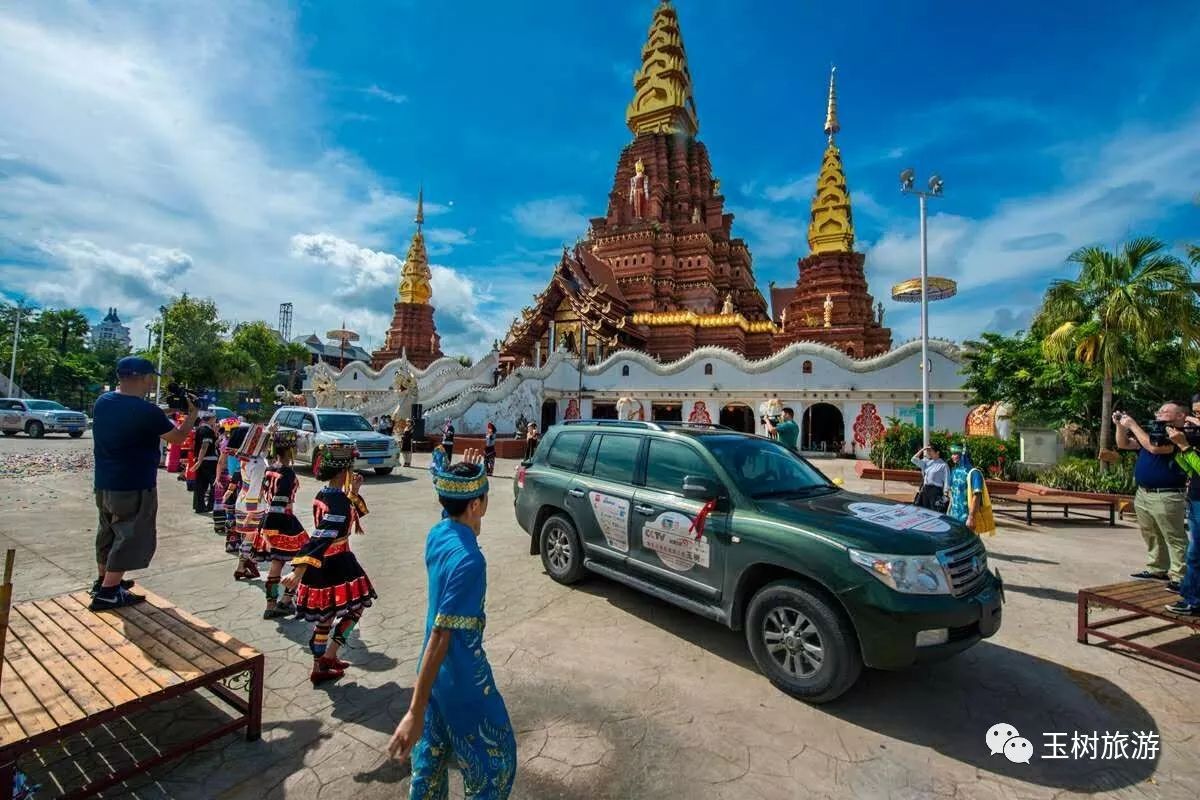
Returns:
(39, 417)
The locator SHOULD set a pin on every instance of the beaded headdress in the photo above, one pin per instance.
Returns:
(461, 487)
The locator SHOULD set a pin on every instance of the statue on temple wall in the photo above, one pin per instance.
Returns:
(783, 319)
(828, 306)
(727, 306)
(695, 215)
(879, 313)
(639, 190)
(567, 341)
(716, 186)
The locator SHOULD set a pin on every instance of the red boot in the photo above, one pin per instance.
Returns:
(246, 570)
(325, 670)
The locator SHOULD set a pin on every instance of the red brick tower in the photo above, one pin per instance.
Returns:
(682, 279)
(830, 302)
(412, 334)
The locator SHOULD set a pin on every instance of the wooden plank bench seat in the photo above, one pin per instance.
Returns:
(1143, 600)
(67, 669)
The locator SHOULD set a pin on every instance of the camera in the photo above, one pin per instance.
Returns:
(177, 397)
(1156, 430)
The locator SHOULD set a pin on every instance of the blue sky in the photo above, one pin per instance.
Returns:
(261, 152)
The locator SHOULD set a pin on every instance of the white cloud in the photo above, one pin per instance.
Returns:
(773, 235)
(364, 280)
(375, 90)
(184, 130)
(1119, 188)
(801, 188)
(552, 218)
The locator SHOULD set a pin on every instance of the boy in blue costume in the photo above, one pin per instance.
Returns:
(456, 713)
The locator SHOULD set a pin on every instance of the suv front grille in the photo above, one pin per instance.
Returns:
(371, 447)
(965, 565)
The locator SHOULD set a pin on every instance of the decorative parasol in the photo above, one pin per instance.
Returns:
(343, 336)
(937, 288)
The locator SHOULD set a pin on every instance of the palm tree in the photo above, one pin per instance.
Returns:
(1120, 304)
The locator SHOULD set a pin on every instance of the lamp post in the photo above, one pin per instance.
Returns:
(162, 337)
(12, 368)
(924, 288)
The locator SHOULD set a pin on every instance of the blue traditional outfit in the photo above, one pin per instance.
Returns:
(466, 720)
(439, 463)
(965, 481)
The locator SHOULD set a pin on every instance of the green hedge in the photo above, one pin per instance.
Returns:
(1084, 475)
(902, 440)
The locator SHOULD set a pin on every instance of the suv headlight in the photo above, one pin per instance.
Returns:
(906, 574)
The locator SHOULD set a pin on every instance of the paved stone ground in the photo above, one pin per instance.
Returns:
(615, 695)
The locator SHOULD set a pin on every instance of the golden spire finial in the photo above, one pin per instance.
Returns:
(662, 87)
(831, 224)
(415, 277)
(831, 117)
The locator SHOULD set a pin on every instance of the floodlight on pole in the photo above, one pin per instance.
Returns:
(162, 338)
(923, 289)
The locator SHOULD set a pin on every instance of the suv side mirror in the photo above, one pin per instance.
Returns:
(696, 488)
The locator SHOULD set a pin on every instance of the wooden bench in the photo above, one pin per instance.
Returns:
(1144, 600)
(1030, 504)
(67, 670)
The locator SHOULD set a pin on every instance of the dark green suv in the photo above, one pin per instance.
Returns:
(741, 530)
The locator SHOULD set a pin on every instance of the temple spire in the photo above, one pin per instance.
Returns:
(415, 277)
(662, 88)
(831, 117)
(831, 225)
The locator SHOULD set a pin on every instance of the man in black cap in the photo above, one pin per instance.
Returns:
(126, 430)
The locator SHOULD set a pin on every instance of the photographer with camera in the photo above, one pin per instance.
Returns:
(1186, 441)
(126, 432)
(1161, 501)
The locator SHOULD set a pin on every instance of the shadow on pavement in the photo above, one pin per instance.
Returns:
(1042, 592)
(949, 705)
(1018, 559)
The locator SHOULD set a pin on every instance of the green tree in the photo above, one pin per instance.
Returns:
(193, 346)
(295, 358)
(1121, 304)
(66, 329)
(268, 351)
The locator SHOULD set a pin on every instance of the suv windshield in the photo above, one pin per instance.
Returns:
(762, 468)
(343, 422)
(45, 405)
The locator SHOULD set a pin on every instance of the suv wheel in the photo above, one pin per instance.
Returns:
(562, 552)
(35, 429)
(801, 642)
(75, 434)
(383, 470)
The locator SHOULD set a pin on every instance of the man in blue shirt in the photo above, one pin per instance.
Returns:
(1161, 500)
(126, 431)
(456, 713)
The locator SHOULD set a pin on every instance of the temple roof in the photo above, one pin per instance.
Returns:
(831, 225)
(415, 277)
(662, 88)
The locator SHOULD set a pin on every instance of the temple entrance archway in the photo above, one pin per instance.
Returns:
(666, 412)
(823, 428)
(549, 414)
(604, 410)
(738, 416)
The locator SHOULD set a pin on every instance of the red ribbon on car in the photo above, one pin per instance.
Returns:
(702, 517)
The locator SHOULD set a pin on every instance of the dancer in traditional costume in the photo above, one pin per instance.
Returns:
(282, 536)
(439, 462)
(233, 489)
(331, 588)
(489, 449)
(406, 441)
(248, 512)
(456, 714)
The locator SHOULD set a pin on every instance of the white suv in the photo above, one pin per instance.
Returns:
(39, 417)
(318, 426)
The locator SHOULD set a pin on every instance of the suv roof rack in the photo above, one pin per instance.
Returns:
(656, 425)
(615, 423)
